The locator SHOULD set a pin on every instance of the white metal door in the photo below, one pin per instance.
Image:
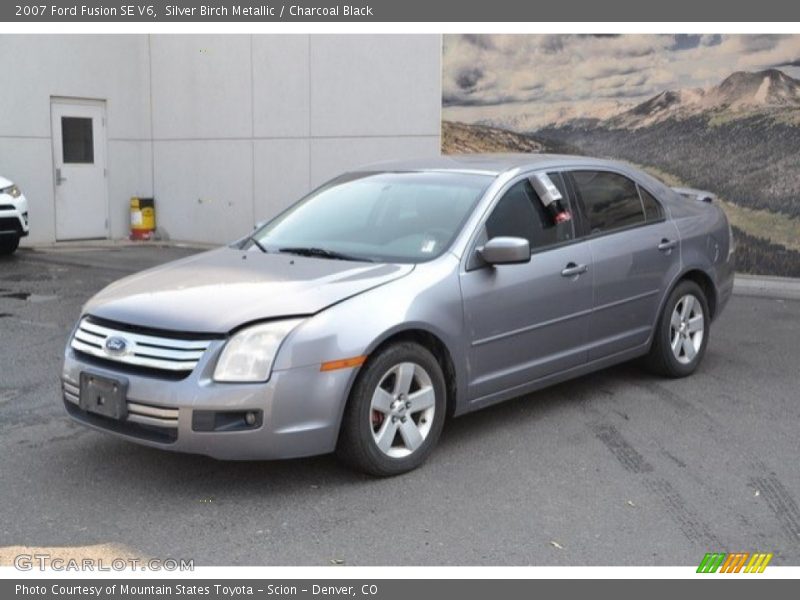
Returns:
(79, 160)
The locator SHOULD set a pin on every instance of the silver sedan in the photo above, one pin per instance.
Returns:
(396, 296)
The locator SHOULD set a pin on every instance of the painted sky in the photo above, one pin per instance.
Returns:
(547, 78)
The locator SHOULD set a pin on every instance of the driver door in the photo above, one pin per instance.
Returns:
(527, 321)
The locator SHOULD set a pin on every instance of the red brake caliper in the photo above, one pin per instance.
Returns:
(377, 418)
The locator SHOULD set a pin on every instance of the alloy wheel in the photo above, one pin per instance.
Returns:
(687, 327)
(402, 409)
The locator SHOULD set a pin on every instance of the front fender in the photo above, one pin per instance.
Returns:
(428, 299)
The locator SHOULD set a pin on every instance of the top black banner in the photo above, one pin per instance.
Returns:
(259, 11)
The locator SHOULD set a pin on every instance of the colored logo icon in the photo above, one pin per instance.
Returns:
(736, 562)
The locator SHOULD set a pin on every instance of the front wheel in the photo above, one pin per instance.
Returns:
(395, 412)
(8, 244)
(681, 334)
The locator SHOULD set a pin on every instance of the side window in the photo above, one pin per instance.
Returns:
(610, 201)
(520, 213)
(558, 181)
(652, 208)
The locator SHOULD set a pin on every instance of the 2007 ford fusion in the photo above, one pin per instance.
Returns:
(396, 296)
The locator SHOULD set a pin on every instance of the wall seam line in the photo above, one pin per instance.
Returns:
(309, 137)
(152, 127)
(252, 133)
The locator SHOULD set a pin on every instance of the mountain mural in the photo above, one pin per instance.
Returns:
(770, 92)
(737, 134)
(460, 138)
(740, 138)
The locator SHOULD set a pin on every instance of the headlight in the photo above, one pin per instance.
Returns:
(249, 354)
(12, 191)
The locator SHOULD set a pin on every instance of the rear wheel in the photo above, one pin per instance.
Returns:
(395, 412)
(8, 244)
(681, 334)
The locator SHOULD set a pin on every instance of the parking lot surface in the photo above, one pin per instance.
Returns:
(616, 468)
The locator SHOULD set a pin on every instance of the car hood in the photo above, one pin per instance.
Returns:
(4, 183)
(217, 291)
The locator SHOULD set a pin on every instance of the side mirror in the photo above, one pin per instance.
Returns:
(506, 251)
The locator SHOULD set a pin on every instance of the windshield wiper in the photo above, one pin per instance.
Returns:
(322, 253)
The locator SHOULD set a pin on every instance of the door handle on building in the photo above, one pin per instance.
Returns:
(59, 178)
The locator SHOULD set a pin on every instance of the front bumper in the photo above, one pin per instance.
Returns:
(14, 215)
(301, 408)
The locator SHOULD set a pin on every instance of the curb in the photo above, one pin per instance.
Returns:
(90, 245)
(766, 287)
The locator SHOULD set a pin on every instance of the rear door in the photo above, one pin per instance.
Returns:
(635, 253)
(527, 321)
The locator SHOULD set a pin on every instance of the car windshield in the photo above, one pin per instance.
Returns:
(381, 217)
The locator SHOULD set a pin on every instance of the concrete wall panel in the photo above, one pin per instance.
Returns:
(375, 85)
(130, 174)
(26, 161)
(332, 156)
(223, 130)
(201, 86)
(204, 189)
(281, 85)
(111, 68)
(281, 175)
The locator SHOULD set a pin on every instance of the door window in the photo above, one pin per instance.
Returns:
(77, 140)
(609, 200)
(652, 208)
(520, 213)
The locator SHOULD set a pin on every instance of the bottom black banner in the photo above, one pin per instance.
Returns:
(382, 589)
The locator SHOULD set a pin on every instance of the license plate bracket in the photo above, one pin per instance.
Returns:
(104, 396)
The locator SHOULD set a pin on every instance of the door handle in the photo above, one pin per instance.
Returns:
(572, 269)
(667, 245)
(59, 178)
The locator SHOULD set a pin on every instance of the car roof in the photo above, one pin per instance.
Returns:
(491, 164)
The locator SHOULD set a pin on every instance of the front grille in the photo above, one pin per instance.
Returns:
(145, 421)
(7, 207)
(71, 392)
(10, 224)
(119, 345)
(146, 414)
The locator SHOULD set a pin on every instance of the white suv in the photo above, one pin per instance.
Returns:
(13, 216)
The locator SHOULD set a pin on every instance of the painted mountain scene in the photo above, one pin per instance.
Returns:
(720, 113)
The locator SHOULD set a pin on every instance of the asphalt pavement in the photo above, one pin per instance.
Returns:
(616, 468)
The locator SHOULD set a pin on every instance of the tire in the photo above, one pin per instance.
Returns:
(677, 350)
(8, 245)
(382, 413)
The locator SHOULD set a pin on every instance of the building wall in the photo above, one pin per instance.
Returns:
(223, 130)
(113, 68)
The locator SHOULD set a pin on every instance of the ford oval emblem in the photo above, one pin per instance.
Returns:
(116, 345)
